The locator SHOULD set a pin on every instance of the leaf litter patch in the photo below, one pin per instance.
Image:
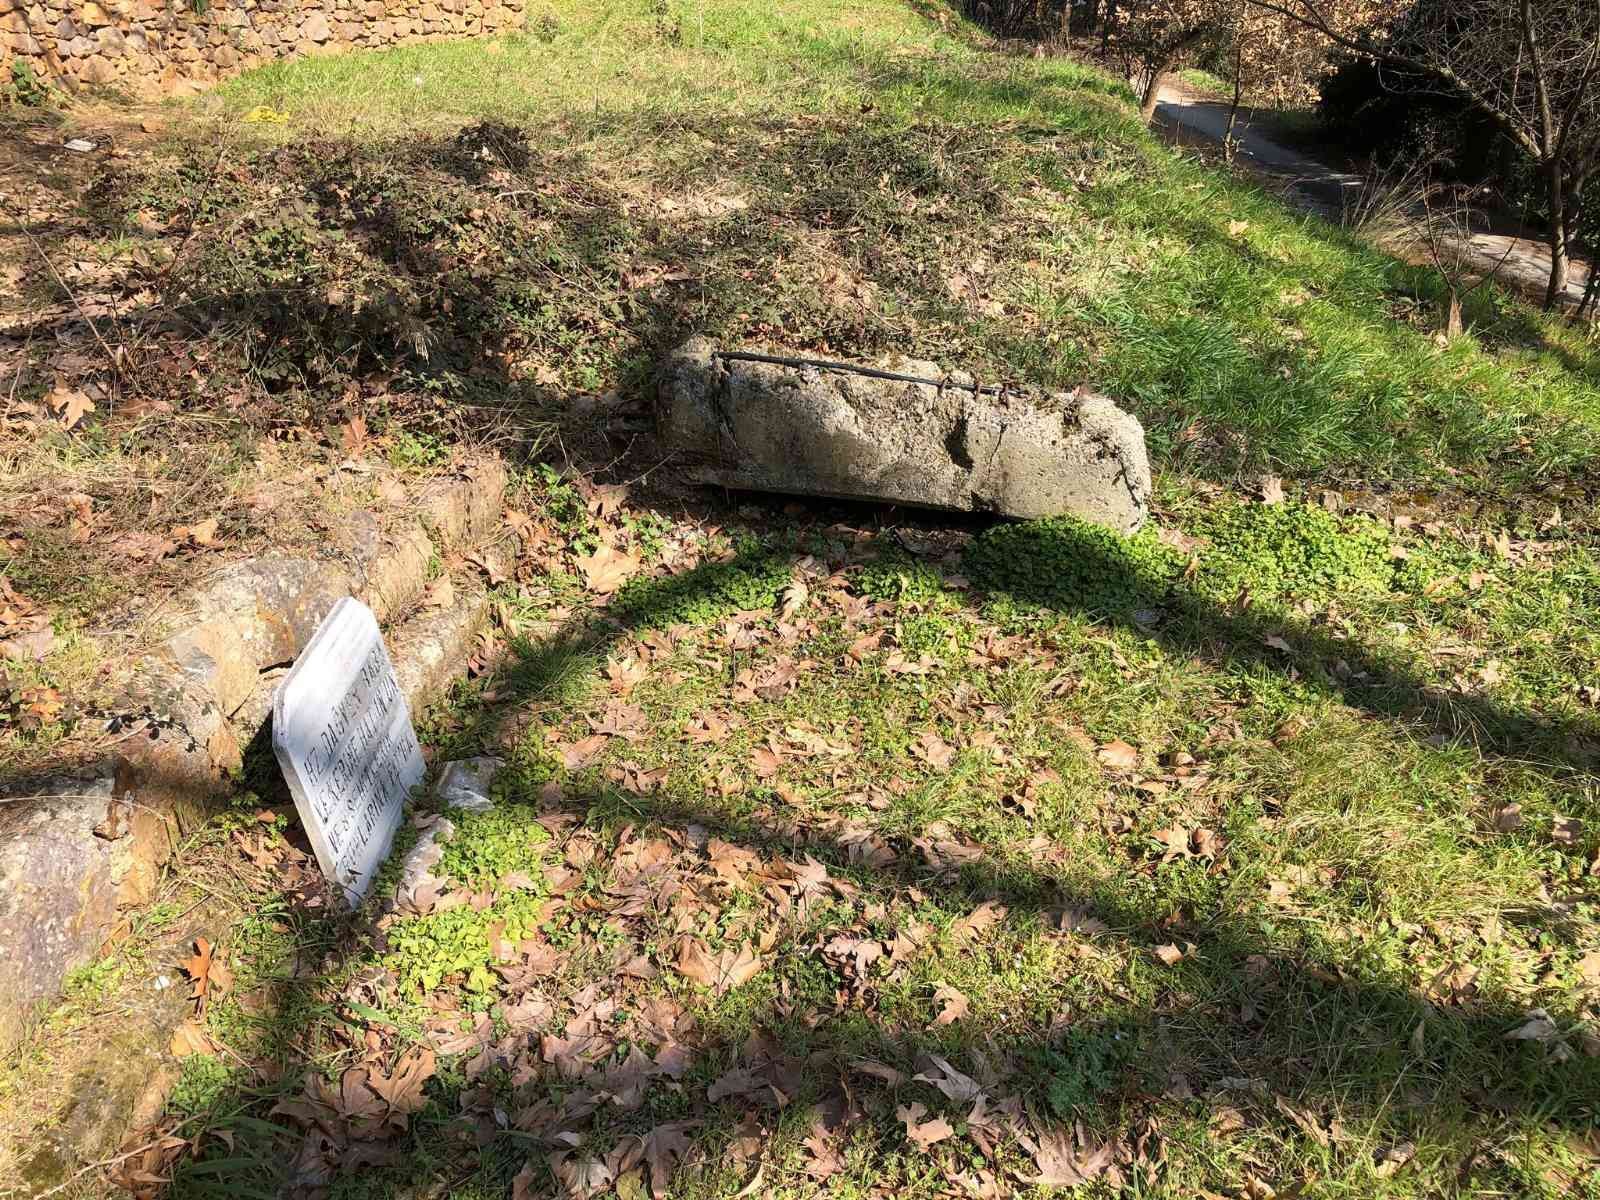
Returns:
(748, 911)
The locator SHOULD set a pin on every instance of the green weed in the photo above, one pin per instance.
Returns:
(487, 846)
(203, 1080)
(1074, 566)
(751, 579)
(456, 943)
(1289, 551)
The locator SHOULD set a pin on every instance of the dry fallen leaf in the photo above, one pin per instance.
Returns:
(403, 1090)
(978, 921)
(441, 593)
(141, 546)
(822, 1158)
(198, 968)
(741, 1081)
(354, 435)
(580, 1178)
(1566, 830)
(663, 1146)
(934, 750)
(583, 751)
(1588, 968)
(1391, 1159)
(1118, 755)
(202, 534)
(189, 1038)
(794, 598)
(70, 405)
(878, 1070)
(956, 1086)
(865, 645)
(1174, 843)
(607, 569)
(954, 1004)
(1062, 1164)
(736, 967)
(26, 647)
(1508, 817)
(920, 1133)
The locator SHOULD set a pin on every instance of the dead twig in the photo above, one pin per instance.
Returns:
(114, 357)
(101, 1165)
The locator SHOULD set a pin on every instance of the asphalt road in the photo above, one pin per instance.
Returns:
(1322, 189)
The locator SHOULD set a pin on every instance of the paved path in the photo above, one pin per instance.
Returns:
(1320, 188)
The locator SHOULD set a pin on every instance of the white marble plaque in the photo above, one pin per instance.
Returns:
(343, 737)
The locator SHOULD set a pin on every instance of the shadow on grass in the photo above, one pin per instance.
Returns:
(1246, 1016)
(1326, 1038)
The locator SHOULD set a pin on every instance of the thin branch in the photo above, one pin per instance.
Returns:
(111, 355)
(1312, 18)
(1541, 82)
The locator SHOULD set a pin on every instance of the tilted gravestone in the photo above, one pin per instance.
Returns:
(343, 737)
(903, 431)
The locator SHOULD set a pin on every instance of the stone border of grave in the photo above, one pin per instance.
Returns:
(77, 853)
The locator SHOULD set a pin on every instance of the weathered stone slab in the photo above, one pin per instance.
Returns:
(929, 438)
(58, 887)
(342, 733)
(431, 649)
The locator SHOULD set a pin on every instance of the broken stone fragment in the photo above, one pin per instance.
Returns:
(465, 784)
(906, 432)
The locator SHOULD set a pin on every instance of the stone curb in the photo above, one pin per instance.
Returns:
(76, 853)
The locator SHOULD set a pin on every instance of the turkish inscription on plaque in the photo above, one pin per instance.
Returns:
(343, 737)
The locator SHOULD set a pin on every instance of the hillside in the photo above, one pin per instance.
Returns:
(1255, 854)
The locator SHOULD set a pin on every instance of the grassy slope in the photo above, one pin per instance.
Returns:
(1373, 755)
(1284, 342)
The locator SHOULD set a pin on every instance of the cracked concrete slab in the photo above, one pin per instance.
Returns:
(905, 431)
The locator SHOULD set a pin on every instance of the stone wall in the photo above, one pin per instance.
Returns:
(165, 46)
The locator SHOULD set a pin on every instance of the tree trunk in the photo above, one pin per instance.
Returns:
(1560, 236)
(1591, 293)
(1238, 95)
(1152, 89)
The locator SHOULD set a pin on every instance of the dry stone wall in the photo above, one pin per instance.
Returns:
(167, 46)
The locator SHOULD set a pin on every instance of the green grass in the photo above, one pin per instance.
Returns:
(1204, 81)
(1277, 798)
(1357, 938)
(892, 155)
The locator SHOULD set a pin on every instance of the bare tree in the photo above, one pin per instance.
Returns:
(1153, 37)
(1530, 66)
(1269, 56)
